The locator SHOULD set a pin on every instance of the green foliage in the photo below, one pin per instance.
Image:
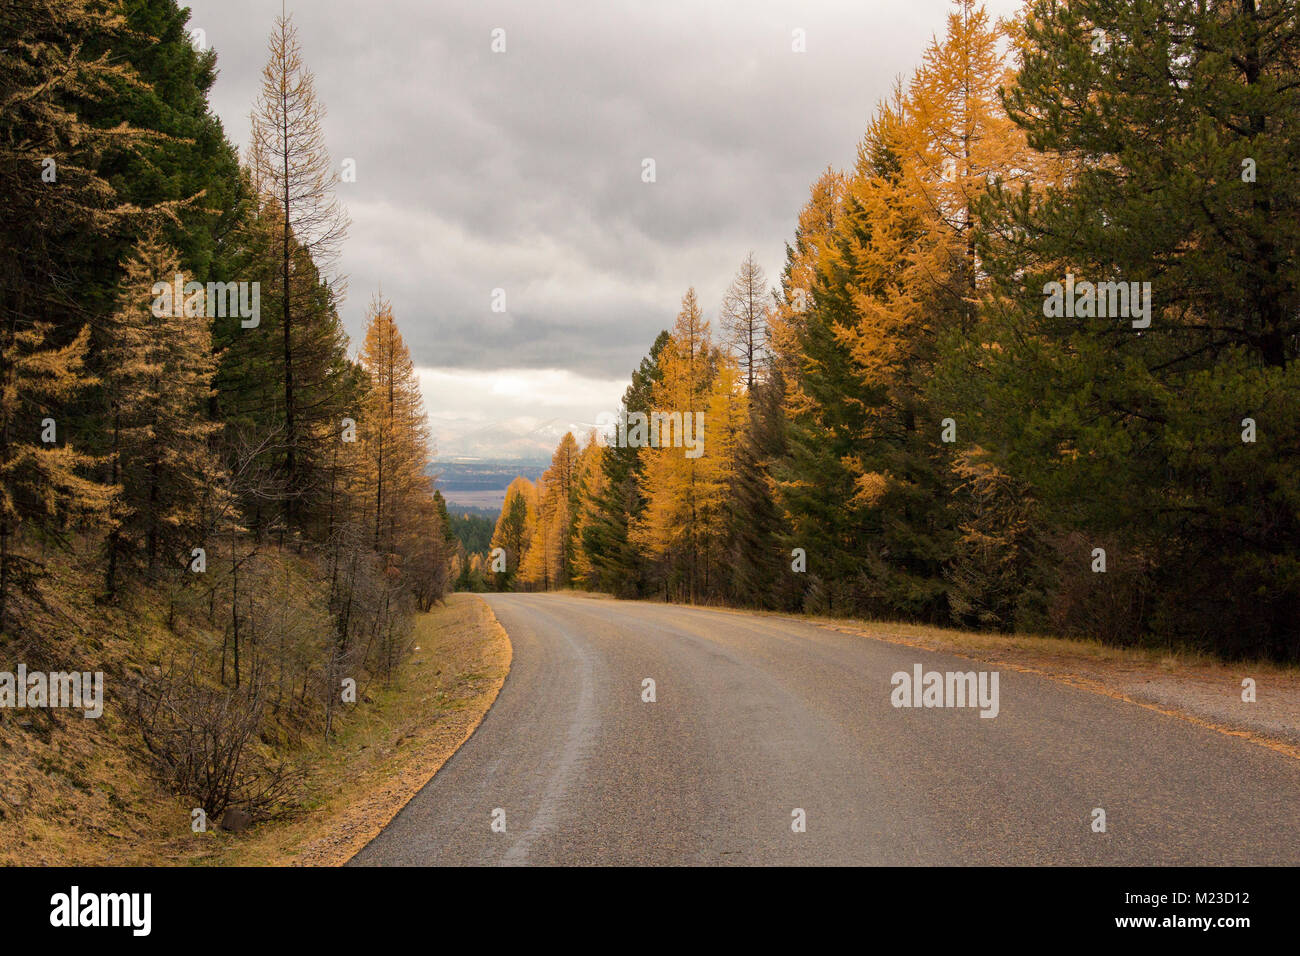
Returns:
(619, 567)
(474, 532)
(1134, 434)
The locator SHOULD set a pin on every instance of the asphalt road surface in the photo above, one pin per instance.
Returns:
(756, 717)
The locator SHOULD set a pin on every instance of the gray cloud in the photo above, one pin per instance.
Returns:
(522, 170)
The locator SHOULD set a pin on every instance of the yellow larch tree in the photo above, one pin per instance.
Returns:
(549, 562)
(394, 432)
(812, 238)
(158, 376)
(669, 528)
(592, 486)
(726, 421)
(514, 529)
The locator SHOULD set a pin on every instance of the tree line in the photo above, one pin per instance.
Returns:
(915, 424)
(180, 418)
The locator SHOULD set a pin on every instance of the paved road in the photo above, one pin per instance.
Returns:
(757, 716)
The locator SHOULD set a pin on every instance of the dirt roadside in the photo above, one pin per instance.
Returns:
(1188, 686)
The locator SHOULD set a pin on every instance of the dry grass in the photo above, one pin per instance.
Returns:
(80, 792)
(392, 749)
(1061, 650)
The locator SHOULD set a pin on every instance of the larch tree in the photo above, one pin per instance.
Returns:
(291, 169)
(537, 567)
(616, 501)
(158, 379)
(426, 551)
(56, 203)
(42, 483)
(723, 438)
(393, 432)
(744, 319)
(549, 563)
(592, 489)
(514, 529)
(668, 529)
(813, 232)
(957, 140)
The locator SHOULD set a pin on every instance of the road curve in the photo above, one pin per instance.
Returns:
(758, 716)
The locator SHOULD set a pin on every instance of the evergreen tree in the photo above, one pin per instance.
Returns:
(814, 484)
(57, 203)
(1174, 122)
(758, 551)
(616, 502)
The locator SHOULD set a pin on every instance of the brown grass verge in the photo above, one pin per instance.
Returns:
(79, 792)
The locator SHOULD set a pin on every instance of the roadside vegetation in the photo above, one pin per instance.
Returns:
(1031, 365)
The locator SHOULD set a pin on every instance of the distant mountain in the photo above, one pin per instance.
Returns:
(471, 475)
(481, 485)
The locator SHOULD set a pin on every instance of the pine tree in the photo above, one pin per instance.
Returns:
(1175, 123)
(757, 547)
(749, 525)
(814, 484)
(896, 272)
(997, 569)
(187, 165)
(810, 482)
(250, 382)
(616, 503)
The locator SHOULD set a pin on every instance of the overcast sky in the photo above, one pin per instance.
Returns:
(522, 171)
